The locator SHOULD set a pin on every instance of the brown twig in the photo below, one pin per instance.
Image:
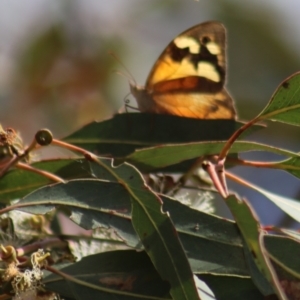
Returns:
(234, 137)
(49, 175)
(210, 168)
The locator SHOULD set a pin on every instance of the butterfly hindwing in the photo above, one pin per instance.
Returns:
(188, 77)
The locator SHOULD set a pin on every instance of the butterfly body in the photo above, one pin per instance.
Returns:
(188, 78)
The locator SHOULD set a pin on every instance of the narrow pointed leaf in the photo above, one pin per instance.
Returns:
(288, 205)
(160, 239)
(291, 165)
(291, 233)
(260, 281)
(154, 158)
(249, 225)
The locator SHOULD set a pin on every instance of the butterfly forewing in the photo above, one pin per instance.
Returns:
(189, 55)
(188, 78)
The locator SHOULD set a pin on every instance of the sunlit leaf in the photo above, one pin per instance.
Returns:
(284, 105)
(258, 278)
(291, 165)
(248, 223)
(291, 233)
(151, 159)
(288, 205)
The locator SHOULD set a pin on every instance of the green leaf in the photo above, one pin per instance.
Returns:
(125, 133)
(233, 288)
(160, 239)
(284, 105)
(115, 275)
(17, 182)
(288, 205)
(212, 244)
(260, 281)
(154, 227)
(157, 158)
(248, 223)
(91, 204)
(291, 165)
(285, 256)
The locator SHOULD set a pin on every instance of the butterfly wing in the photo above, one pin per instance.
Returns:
(189, 76)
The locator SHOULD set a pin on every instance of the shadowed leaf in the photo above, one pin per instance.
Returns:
(155, 228)
(111, 275)
(125, 133)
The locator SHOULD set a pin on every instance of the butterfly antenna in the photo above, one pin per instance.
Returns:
(127, 75)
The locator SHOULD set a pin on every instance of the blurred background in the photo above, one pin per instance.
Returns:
(56, 71)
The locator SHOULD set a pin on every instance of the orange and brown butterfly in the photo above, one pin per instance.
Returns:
(188, 77)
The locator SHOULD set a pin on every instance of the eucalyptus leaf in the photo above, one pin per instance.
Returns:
(284, 105)
(124, 274)
(151, 159)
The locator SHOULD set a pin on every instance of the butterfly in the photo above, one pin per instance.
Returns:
(188, 78)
